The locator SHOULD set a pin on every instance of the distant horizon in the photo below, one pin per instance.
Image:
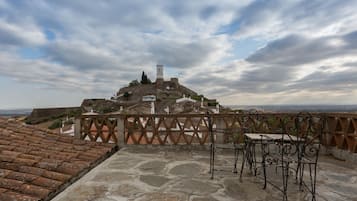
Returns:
(224, 105)
(298, 105)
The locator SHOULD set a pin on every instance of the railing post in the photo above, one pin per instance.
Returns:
(77, 128)
(121, 131)
(221, 126)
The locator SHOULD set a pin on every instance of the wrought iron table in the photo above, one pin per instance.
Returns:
(283, 144)
(252, 139)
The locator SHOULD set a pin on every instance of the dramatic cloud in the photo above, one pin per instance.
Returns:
(297, 50)
(11, 34)
(290, 49)
(187, 55)
(278, 18)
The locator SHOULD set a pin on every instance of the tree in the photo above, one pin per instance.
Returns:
(145, 79)
(56, 124)
(126, 95)
(134, 83)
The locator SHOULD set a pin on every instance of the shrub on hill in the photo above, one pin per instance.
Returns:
(198, 97)
(134, 83)
(56, 124)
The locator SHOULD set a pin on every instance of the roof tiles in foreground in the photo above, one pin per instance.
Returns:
(36, 164)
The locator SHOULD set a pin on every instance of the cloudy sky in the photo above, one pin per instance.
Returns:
(55, 53)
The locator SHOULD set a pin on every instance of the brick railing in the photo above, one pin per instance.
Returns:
(335, 129)
(98, 128)
(342, 131)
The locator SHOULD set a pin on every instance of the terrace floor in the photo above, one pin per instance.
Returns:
(162, 173)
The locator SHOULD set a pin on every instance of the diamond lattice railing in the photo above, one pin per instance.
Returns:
(335, 129)
(99, 129)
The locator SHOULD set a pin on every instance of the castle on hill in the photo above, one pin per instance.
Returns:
(159, 97)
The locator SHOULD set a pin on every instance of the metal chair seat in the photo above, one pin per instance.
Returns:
(230, 146)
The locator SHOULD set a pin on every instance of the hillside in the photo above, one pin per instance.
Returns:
(144, 97)
(167, 96)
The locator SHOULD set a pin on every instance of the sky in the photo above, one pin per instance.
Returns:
(56, 53)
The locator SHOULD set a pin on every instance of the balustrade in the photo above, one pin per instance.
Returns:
(339, 129)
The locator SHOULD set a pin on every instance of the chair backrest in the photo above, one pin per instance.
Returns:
(287, 144)
(310, 130)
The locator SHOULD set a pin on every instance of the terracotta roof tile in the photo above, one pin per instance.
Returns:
(4, 173)
(9, 166)
(32, 170)
(56, 176)
(4, 142)
(32, 157)
(5, 158)
(70, 168)
(21, 176)
(35, 163)
(33, 190)
(49, 164)
(10, 184)
(47, 183)
(2, 190)
(24, 161)
(6, 147)
(13, 196)
(45, 173)
(10, 153)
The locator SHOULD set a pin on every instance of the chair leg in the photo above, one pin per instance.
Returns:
(297, 171)
(254, 163)
(285, 174)
(210, 159)
(313, 181)
(264, 172)
(241, 169)
(212, 165)
(302, 169)
(236, 153)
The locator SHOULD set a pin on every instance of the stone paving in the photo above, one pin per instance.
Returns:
(175, 174)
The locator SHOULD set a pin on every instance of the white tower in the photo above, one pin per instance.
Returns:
(159, 71)
(152, 110)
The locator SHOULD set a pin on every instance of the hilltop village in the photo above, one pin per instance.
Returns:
(139, 97)
(159, 97)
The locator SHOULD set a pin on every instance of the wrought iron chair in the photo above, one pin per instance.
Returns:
(296, 154)
(280, 153)
(233, 146)
(310, 130)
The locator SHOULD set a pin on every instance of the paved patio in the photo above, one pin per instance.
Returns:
(169, 174)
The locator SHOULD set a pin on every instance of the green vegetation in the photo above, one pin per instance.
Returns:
(144, 80)
(134, 83)
(198, 97)
(74, 113)
(56, 124)
(126, 95)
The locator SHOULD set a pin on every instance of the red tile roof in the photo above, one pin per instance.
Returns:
(36, 164)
